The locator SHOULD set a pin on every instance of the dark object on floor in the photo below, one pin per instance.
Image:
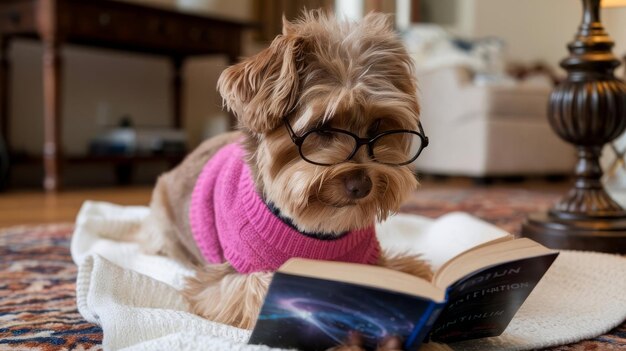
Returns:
(437, 177)
(4, 165)
(556, 178)
(127, 143)
(483, 181)
(139, 141)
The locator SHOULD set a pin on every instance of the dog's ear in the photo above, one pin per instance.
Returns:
(378, 22)
(263, 88)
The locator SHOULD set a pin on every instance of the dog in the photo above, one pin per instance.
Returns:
(328, 128)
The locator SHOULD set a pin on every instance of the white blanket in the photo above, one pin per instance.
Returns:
(135, 297)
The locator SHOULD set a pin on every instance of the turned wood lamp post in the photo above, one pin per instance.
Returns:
(588, 110)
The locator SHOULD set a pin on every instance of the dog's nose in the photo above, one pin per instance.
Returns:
(358, 185)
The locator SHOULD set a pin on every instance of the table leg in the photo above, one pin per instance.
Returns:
(5, 85)
(177, 91)
(233, 58)
(416, 14)
(52, 148)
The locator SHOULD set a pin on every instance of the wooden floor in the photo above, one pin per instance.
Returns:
(37, 207)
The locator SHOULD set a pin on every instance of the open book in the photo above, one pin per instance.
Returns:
(313, 305)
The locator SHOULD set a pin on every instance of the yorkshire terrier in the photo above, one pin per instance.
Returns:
(329, 128)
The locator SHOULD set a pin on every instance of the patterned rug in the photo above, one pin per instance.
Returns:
(37, 292)
(37, 276)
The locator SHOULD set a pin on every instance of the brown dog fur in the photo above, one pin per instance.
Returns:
(318, 72)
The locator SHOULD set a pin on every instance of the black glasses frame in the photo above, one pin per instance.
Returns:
(299, 139)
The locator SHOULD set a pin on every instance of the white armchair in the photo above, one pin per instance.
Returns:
(481, 122)
(488, 130)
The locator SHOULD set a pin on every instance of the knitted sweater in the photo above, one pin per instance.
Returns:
(230, 222)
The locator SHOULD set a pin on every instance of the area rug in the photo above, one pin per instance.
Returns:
(37, 276)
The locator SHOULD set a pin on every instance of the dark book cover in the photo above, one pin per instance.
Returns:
(483, 303)
(312, 314)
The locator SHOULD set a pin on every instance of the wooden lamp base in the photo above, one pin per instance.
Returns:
(597, 234)
(587, 110)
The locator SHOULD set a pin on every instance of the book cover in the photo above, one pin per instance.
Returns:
(483, 303)
(313, 314)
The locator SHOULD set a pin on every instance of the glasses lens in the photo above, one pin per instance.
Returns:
(327, 147)
(397, 147)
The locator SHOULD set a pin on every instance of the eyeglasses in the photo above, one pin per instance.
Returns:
(331, 146)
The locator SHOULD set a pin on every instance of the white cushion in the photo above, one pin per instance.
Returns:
(488, 130)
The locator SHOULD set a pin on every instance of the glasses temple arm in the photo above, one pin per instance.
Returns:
(292, 134)
(421, 130)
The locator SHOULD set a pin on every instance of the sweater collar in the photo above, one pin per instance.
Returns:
(284, 236)
(316, 235)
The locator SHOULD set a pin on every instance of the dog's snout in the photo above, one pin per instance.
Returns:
(358, 185)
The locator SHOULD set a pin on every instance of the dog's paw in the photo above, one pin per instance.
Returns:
(219, 293)
(346, 348)
(407, 263)
(392, 343)
(355, 342)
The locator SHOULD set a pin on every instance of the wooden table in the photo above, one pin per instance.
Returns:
(107, 24)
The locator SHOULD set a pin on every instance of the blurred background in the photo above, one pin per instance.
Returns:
(492, 58)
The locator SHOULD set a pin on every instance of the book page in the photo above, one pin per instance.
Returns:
(487, 255)
(438, 241)
(372, 276)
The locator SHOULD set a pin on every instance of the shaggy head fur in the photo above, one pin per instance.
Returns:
(323, 72)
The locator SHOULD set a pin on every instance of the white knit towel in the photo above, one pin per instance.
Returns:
(135, 297)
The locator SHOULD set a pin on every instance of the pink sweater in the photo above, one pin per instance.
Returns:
(230, 221)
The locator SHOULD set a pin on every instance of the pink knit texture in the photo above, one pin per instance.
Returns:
(230, 221)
